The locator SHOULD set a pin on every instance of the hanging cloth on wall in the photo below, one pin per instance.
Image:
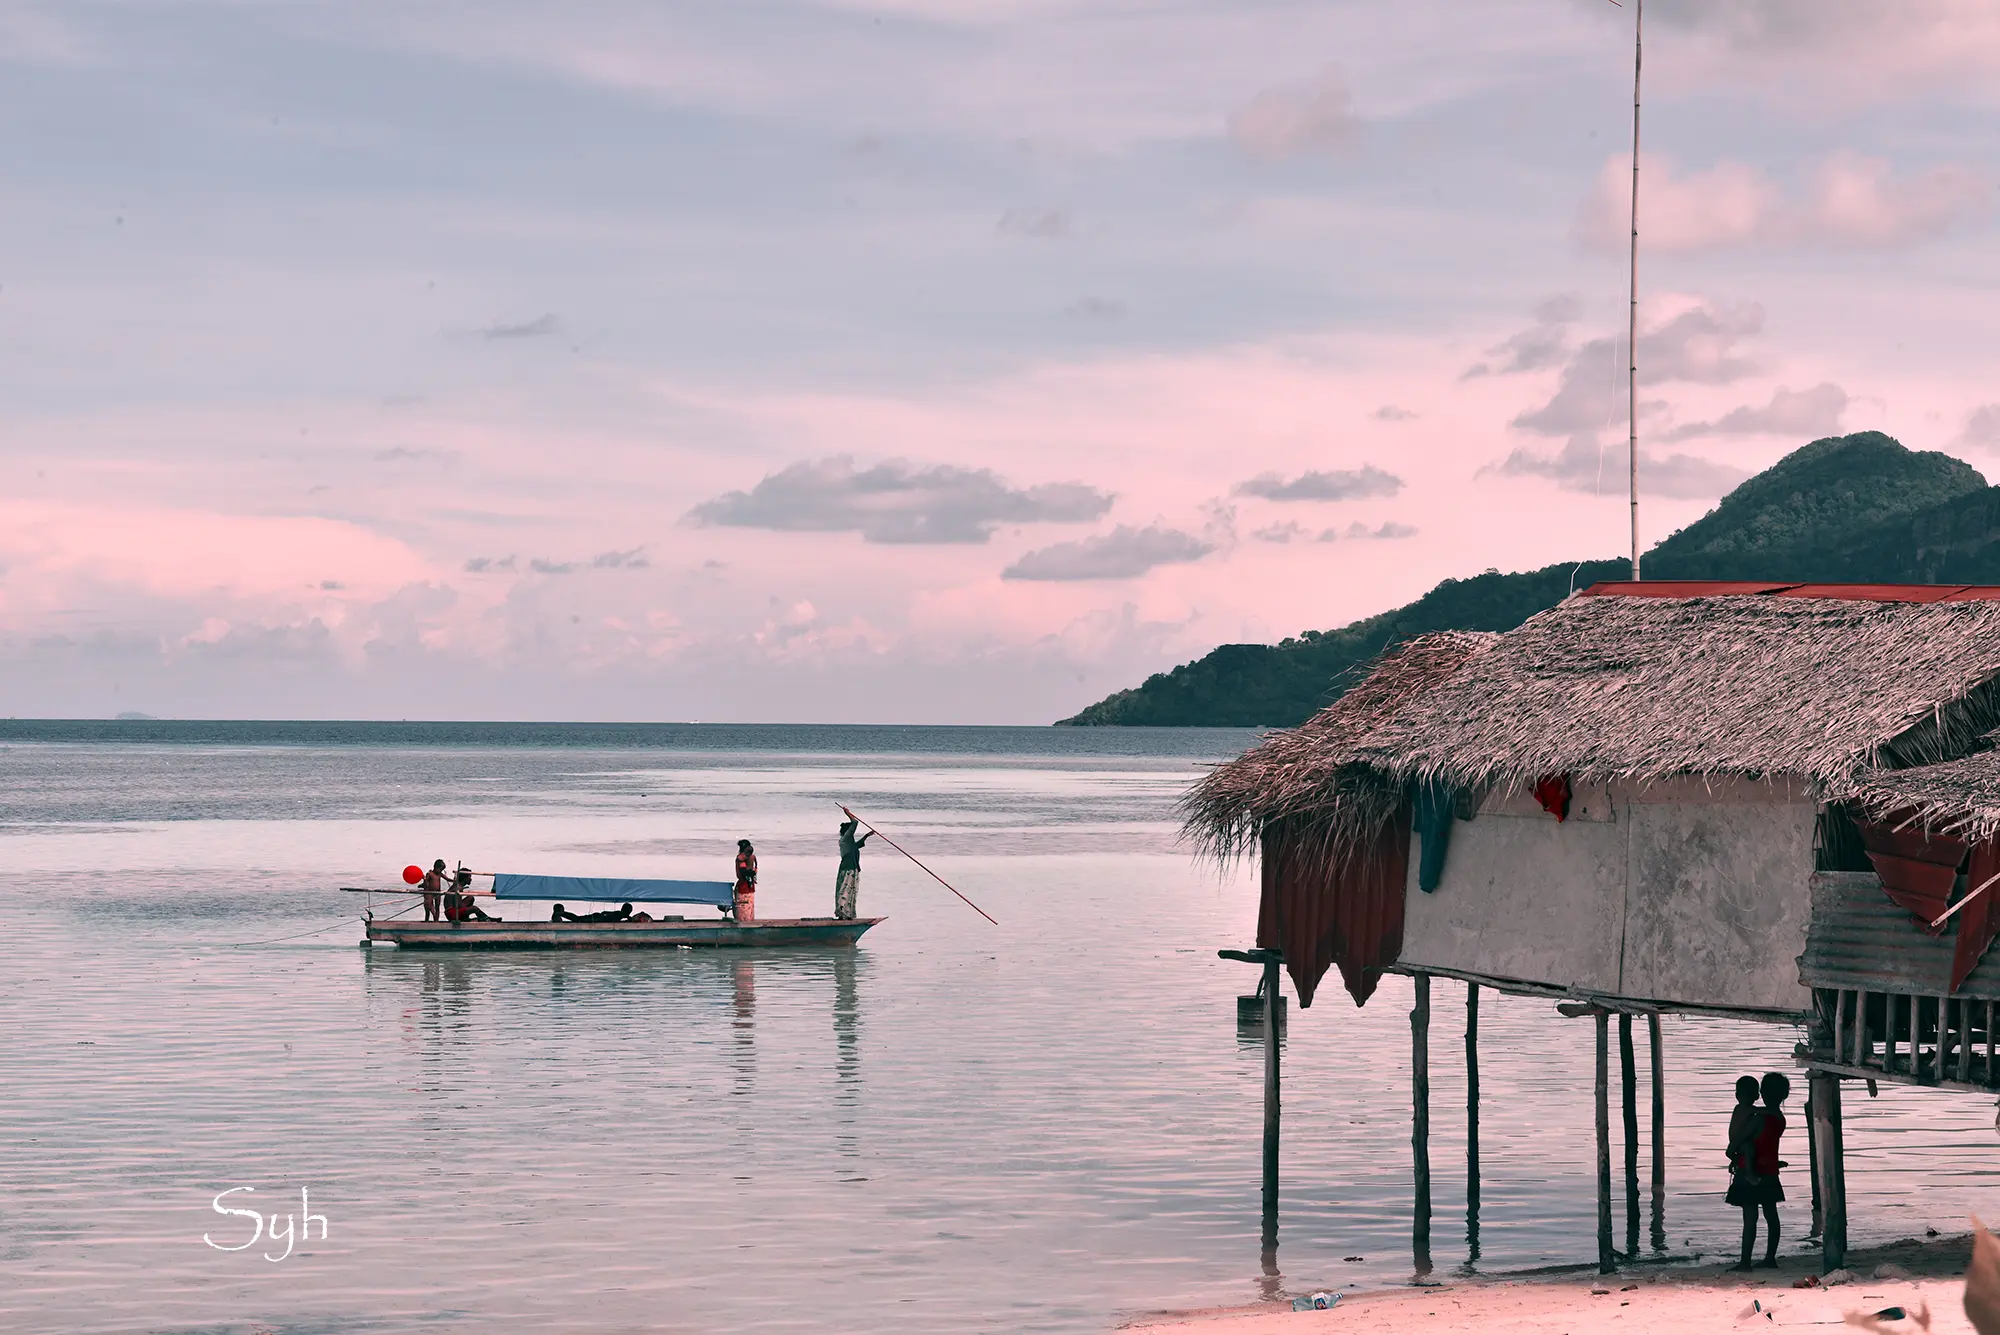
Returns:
(1553, 794)
(1978, 922)
(1918, 869)
(1434, 810)
(1321, 909)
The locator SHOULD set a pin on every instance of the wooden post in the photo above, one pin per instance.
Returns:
(1270, 1101)
(1832, 1168)
(1606, 1257)
(1420, 1122)
(1629, 1079)
(1472, 1121)
(1818, 1228)
(1659, 1132)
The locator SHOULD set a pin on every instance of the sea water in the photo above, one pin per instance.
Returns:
(1047, 1125)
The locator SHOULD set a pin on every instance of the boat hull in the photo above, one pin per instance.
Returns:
(617, 935)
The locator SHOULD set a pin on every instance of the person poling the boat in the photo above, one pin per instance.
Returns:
(847, 881)
(744, 900)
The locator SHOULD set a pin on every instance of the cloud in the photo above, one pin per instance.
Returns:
(1586, 464)
(897, 502)
(1389, 412)
(1284, 532)
(1097, 308)
(543, 566)
(1806, 413)
(1359, 532)
(1123, 553)
(1314, 117)
(1341, 485)
(1850, 201)
(542, 326)
(1043, 225)
(403, 454)
(632, 560)
(1698, 346)
(482, 565)
(1535, 348)
(1982, 426)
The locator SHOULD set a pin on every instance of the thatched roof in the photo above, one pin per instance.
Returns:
(1312, 773)
(1959, 797)
(1637, 688)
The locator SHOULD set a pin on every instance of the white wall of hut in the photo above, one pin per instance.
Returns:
(1695, 892)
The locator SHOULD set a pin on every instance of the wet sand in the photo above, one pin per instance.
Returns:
(1644, 1299)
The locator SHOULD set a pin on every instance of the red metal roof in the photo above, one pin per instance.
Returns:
(1721, 588)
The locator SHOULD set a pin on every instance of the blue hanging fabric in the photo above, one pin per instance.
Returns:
(1434, 810)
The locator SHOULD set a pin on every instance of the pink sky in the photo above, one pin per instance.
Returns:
(913, 361)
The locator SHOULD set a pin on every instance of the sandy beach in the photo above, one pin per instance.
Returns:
(1644, 1299)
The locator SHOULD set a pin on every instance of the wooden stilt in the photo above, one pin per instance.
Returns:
(1472, 1121)
(1812, 1164)
(1659, 1132)
(1606, 1256)
(1270, 1102)
(1832, 1168)
(1420, 1122)
(1628, 1076)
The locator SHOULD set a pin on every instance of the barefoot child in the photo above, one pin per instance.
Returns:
(1759, 1188)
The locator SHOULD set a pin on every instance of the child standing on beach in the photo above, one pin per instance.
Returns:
(1754, 1159)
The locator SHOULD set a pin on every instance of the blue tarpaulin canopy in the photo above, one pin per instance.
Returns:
(612, 889)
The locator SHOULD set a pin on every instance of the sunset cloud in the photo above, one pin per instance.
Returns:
(1338, 485)
(1850, 201)
(898, 502)
(1123, 553)
(1313, 117)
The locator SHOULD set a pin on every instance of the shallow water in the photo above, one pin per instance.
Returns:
(1041, 1126)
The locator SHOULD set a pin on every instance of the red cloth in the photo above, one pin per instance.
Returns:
(1321, 911)
(1553, 794)
(1766, 1151)
(1979, 921)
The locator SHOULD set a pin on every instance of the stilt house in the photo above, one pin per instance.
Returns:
(1754, 799)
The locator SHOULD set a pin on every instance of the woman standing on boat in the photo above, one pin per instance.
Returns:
(745, 896)
(847, 881)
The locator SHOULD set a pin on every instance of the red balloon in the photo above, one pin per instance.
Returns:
(412, 874)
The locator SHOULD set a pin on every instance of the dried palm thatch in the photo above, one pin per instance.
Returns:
(1959, 797)
(1607, 689)
(1311, 778)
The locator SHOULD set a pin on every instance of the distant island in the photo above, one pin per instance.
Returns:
(132, 716)
(1856, 509)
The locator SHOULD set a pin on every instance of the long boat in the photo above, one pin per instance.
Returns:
(672, 930)
(419, 935)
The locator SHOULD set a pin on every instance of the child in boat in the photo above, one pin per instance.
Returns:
(433, 888)
(743, 899)
(1762, 1190)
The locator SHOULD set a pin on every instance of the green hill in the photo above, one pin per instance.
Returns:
(1850, 508)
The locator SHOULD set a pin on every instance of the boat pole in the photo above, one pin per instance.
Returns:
(1270, 960)
(913, 857)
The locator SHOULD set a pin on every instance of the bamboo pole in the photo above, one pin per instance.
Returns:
(1271, 1104)
(1472, 1121)
(1420, 1122)
(1632, 328)
(1606, 1256)
(1659, 1164)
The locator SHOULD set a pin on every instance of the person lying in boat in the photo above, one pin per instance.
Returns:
(623, 913)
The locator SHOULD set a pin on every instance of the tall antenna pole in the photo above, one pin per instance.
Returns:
(1632, 328)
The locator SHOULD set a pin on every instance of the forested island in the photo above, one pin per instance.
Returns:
(1859, 508)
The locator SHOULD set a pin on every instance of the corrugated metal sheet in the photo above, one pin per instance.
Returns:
(1861, 939)
(1321, 914)
(1716, 588)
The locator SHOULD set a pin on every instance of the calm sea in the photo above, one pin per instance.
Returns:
(1048, 1125)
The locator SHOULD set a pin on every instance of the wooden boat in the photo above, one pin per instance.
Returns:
(418, 935)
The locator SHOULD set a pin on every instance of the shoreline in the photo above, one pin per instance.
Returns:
(1646, 1299)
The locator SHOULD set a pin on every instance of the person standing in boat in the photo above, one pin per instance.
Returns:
(847, 881)
(745, 895)
(433, 888)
